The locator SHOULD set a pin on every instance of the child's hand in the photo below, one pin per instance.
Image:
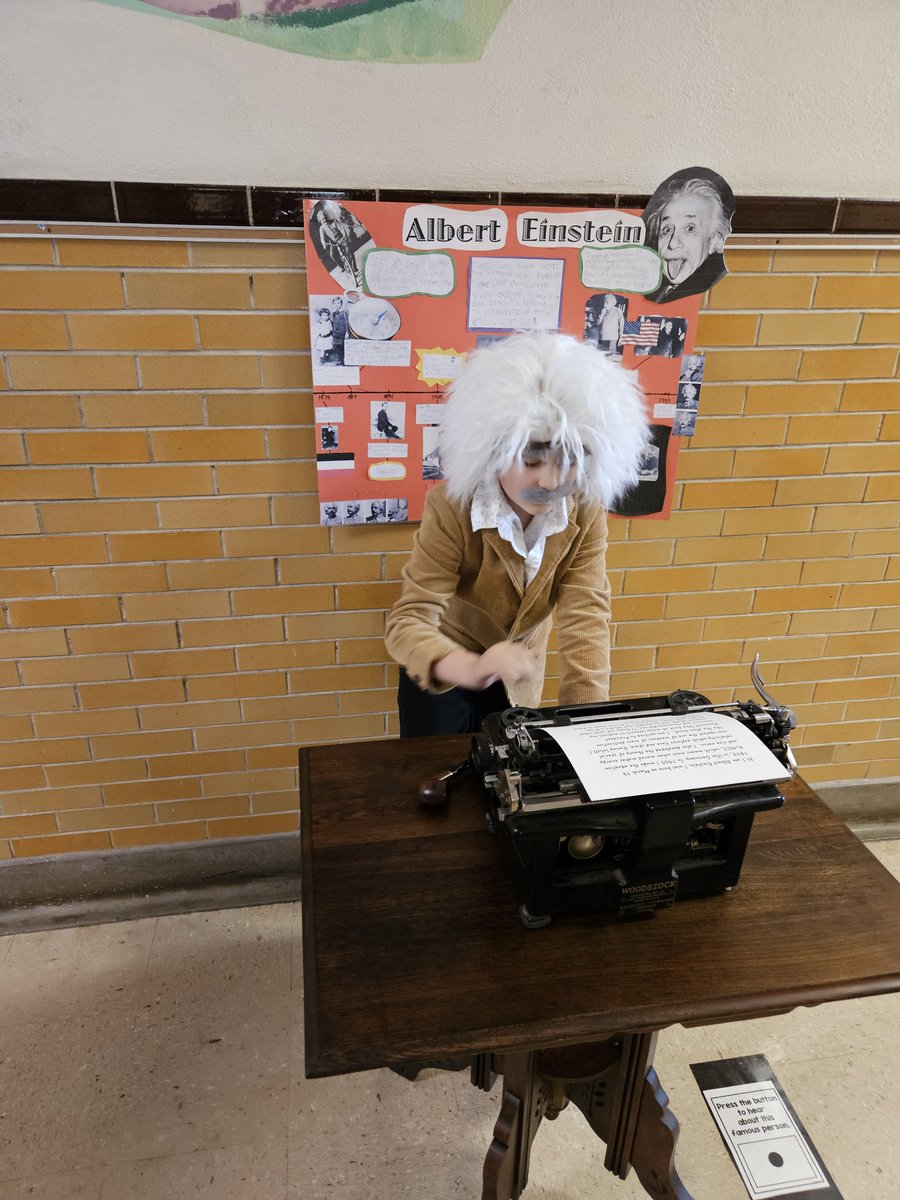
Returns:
(510, 662)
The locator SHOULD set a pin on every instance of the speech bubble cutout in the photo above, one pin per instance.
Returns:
(387, 470)
(621, 268)
(397, 273)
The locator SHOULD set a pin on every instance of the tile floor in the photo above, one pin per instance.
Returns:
(162, 1059)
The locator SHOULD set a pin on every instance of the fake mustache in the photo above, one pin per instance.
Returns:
(535, 495)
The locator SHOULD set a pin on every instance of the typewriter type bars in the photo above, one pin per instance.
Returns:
(629, 855)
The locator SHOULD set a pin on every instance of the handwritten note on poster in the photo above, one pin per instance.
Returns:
(328, 376)
(429, 414)
(648, 755)
(515, 293)
(621, 268)
(397, 273)
(360, 353)
(329, 413)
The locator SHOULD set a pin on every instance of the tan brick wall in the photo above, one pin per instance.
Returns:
(175, 623)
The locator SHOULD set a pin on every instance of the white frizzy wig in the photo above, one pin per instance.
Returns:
(550, 388)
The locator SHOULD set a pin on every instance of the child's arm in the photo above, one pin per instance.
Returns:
(583, 610)
(412, 632)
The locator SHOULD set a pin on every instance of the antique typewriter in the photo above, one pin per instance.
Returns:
(629, 852)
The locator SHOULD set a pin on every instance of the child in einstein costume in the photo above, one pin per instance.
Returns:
(540, 434)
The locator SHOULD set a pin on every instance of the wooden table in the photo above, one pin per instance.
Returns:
(413, 952)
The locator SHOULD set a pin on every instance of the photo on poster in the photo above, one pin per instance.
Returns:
(339, 239)
(431, 453)
(398, 510)
(692, 368)
(374, 320)
(352, 512)
(330, 513)
(322, 337)
(388, 419)
(670, 342)
(642, 334)
(604, 322)
(376, 512)
(328, 437)
(688, 398)
(688, 218)
(648, 467)
(685, 423)
(329, 329)
(648, 496)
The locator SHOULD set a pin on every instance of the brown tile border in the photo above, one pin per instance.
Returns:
(437, 196)
(236, 205)
(631, 200)
(177, 204)
(868, 216)
(561, 199)
(784, 214)
(56, 200)
(275, 207)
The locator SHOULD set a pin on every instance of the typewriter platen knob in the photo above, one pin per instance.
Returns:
(483, 757)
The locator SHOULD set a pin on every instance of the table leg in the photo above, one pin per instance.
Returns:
(521, 1112)
(653, 1152)
(619, 1095)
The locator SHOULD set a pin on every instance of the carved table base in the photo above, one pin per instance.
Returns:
(617, 1091)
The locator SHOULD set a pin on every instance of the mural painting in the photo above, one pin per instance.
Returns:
(400, 31)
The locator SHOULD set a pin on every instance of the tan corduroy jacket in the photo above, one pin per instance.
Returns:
(467, 589)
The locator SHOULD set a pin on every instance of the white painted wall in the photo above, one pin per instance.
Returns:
(790, 97)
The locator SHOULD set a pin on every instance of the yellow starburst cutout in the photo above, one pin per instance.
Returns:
(439, 365)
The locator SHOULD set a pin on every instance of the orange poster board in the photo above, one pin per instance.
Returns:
(400, 293)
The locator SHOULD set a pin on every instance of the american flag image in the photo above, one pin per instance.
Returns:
(643, 332)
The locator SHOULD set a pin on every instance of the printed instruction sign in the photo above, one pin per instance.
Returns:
(400, 294)
(768, 1149)
(764, 1136)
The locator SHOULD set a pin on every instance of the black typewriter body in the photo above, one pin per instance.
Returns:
(627, 857)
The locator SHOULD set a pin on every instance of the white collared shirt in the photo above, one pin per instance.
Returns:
(491, 510)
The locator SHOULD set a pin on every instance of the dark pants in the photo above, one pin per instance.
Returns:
(457, 711)
(421, 714)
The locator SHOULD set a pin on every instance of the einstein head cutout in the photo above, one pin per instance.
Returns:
(688, 218)
(546, 415)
